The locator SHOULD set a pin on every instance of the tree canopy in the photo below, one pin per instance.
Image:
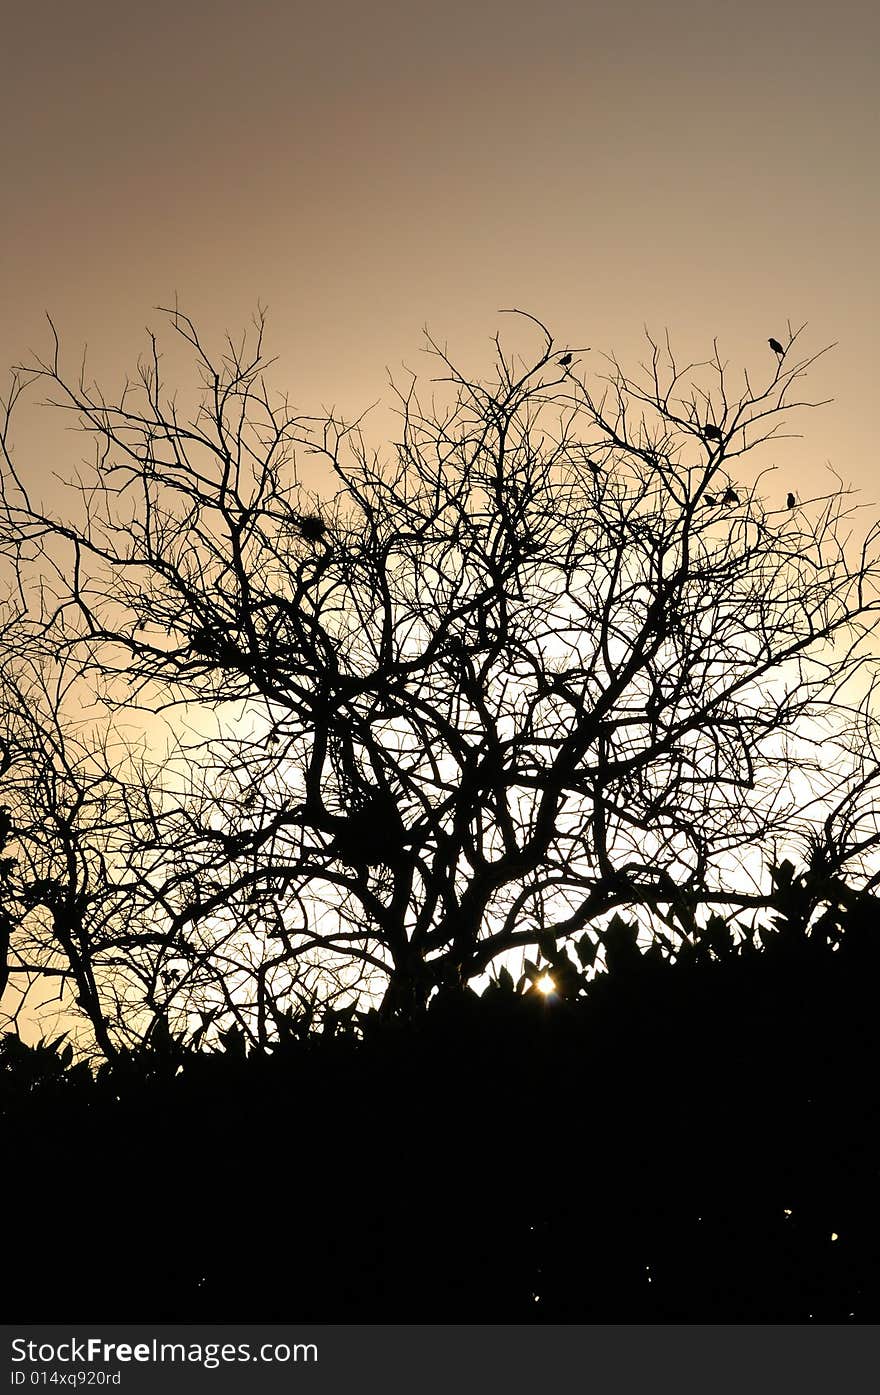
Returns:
(560, 652)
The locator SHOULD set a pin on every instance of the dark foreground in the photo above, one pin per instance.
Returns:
(688, 1143)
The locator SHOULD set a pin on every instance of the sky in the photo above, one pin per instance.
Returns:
(366, 170)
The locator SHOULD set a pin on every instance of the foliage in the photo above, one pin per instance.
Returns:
(681, 1143)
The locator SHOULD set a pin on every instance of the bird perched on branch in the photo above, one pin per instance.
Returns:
(565, 360)
(730, 496)
(712, 433)
(776, 347)
(791, 501)
(710, 501)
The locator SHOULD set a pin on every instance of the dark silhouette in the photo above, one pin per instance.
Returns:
(710, 501)
(311, 526)
(7, 865)
(5, 936)
(565, 360)
(480, 723)
(776, 347)
(330, 1111)
(371, 834)
(791, 501)
(712, 433)
(515, 732)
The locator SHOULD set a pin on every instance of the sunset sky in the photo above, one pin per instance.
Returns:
(366, 169)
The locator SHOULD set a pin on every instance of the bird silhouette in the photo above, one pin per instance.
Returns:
(791, 501)
(710, 501)
(730, 496)
(776, 347)
(712, 433)
(565, 360)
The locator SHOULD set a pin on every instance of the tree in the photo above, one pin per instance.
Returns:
(6, 919)
(472, 699)
(66, 919)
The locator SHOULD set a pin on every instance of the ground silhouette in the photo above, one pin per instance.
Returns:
(688, 1141)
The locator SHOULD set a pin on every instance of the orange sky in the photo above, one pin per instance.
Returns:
(365, 169)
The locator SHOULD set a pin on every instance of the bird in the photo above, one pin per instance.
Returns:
(730, 496)
(776, 347)
(712, 433)
(565, 360)
(710, 501)
(791, 501)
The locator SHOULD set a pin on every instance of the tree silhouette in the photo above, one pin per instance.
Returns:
(67, 917)
(472, 699)
(6, 866)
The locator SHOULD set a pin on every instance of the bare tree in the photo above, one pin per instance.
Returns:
(90, 891)
(554, 657)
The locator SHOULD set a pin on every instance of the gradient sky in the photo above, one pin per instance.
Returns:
(366, 169)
